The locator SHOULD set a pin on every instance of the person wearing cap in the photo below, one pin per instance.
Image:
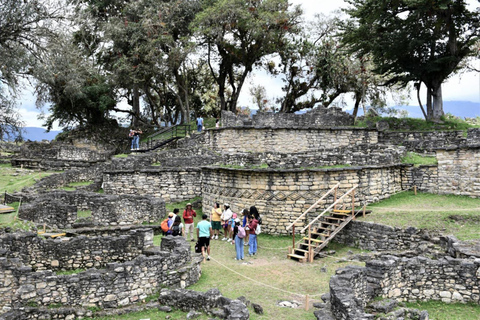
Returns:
(238, 241)
(204, 233)
(188, 215)
(226, 216)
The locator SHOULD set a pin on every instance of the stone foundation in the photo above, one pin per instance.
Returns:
(171, 184)
(459, 171)
(70, 253)
(283, 195)
(59, 208)
(237, 140)
(119, 284)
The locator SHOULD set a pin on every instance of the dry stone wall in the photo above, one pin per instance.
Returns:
(422, 279)
(59, 208)
(283, 195)
(379, 237)
(39, 155)
(235, 140)
(318, 117)
(459, 171)
(171, 184)
(119, 284)
(70, 253)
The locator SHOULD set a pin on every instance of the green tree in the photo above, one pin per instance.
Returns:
(74, 87)
(238, 34)
(25, 26)
(413, 40)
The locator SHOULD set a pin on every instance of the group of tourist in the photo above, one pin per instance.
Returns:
(240, 230)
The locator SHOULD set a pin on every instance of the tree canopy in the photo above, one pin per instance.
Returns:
(413, 40)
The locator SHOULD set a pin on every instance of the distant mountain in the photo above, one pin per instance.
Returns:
(460, 109)
(38, 134)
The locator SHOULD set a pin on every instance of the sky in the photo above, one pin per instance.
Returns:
(465, 87)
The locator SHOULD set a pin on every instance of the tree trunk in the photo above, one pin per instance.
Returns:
(358, 99)
(419, 100)
(437, 102)
(135, 106)
(429, 104)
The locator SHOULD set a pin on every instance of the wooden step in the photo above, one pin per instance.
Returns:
(321, 234)
(296, 256)
(329, 223)
(313, 240)
(301, 250)
(342, 211)
(334, 218)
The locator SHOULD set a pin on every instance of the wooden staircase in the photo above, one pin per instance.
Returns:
(320, 235)
(325, 226)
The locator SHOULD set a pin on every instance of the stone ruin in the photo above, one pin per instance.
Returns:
(280, 163)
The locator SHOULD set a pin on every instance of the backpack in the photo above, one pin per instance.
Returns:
(131, 134)
(198, 249)
(241, 232)
(164, 225)
(176, 231)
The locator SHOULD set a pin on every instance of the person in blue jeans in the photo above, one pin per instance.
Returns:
(238, 236)
(252, 242)
(199, 123)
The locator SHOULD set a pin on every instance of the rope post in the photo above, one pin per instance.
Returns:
(293, 237)
(5, 198)
(415, 189)
(307, 302)
(364, 208)
(44, 228)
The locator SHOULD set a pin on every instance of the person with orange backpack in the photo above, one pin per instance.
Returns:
(167, 224)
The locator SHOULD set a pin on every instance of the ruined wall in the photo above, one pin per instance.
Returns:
(70, 253)
(425, 177)
(234, 140)
(410, 279)
(459, 171)
(119, 284)
(283, 195)
(379, 237)
(54, 156)
(106, 209)
(171, 184)
(318, 117)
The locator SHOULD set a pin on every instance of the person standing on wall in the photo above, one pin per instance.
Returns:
(199, 124)
(215, 219)
(204, 233)
(188, 216)
(136, 138)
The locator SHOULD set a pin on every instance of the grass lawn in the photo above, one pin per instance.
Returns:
(15, 179)
(442, 311)
(268, 277)
(448, 214)
(417, 159)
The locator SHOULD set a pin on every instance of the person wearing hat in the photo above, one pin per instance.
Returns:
(170, 221)
(188, 215)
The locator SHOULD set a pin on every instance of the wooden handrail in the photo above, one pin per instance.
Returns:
(313, 205)
(330, 207)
